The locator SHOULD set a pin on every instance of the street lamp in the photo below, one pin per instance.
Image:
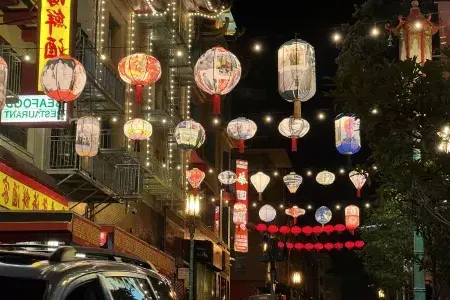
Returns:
(380, 294)
(192, 212)
(295, 283)
(296, 278)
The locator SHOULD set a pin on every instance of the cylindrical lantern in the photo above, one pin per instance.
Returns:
(325, 178)
(138, 129)
(296, 73)
(260, 182)
(217, 72)
(352, 218)
(295, 212)
(195, 177)
(189, 135)
(63, 79)
(267, 213)
(239, 214)
(140, 70)
(292, 182)
(87, 136)
(241, 129)
(294, 129)
(227, 177)
(347, 135)
(3, 82)
(358, 179)
(323, 215)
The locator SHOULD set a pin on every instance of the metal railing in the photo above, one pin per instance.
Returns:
(168, 178)
(163, 103)
(12, 58)
(112, 140)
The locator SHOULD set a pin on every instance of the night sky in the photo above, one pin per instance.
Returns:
(256, 95)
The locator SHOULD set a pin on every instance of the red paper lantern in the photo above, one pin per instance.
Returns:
(309, 246)
(307, 230)
(359, 244)
(280, 245)
(299, 246)
(272, 229)
(295, 230)
(195, 177)
(290, 245)
(318, 246)
(140, 70)
(349, 245)
(284, 230)
(339, 228)
(328, 246)
(352, 218)
(317, 229)
(261, 227)
(338, 246)
(328, 229)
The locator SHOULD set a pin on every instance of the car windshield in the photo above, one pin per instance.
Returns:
(23, 288)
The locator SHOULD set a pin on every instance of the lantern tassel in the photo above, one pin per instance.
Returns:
(138, 95)
(295, 220)
(241, 146)
(260, 196)
(216, 104)
(358, 193)
(297, 110)
(294, 144)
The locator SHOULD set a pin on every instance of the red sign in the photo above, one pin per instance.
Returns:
(217, 220)
(241, 232)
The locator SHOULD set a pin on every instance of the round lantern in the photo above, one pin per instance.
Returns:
(325, 178)
(63, 79)
(296, 73)
(318, 247)
(260, 182)
(138, 129)
(328, 229)
(272, 229)
(295, 230)
(3, 82)
(299, 246)
(339, 228)
(217, 72)
(323, 215)
(227, 177)
(195, 177)
(280, 245)
(349, 245)
(295, 212)
(307, 230)
(261, 228)
(140, 70)
(293, 129)
(189, 135)
(292, 182)
(87, 136)
(352, 218)
(328, 246)
(358, 179)
(290, 246)
(239, 214)
(267, 213)
(359, 244)
(317, 230)
(241, 129)
(347, 135)
(338, 246)
(309, 246)
(284, 230)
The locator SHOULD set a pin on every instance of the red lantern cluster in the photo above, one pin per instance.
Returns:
(296, 230)
(319, 246)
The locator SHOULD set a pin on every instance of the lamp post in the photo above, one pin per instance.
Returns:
(192, 212)
(296, 280)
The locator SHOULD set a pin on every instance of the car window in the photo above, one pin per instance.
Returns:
(129, 288)
(23, 288)
(90, 290)
(162, 289)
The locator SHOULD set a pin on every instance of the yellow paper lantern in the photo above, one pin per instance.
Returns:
(138, 129)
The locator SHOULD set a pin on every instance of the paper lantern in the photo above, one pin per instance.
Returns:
(261, 228)
(241, 129)
(359, 244)
(323, 215)
(290, 246)
(307, 230)
(284, 230)
(103, 238)
(293, 129)
(217, 72)
(358, 179)
(347, 135)
(317, 229)
(87, 136)
(239, 214)
(349, 245)
(309, 246)
(272, 229)
(328, 229)
(318, 247)
(3, 82)
(295, 230)
(227, 177)
(195, 177)
(138, 129)
(339, 228)
(280, 245)
(338, 246)
(299, 246)
(325, 178)
(189, 135)
(267, 213)
(296, 73)
(352, 218)
(328, 246)
(260, 182)
(295, 212)
(140, 70)
(292, 182)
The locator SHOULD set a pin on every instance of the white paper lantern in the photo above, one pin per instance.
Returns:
(227, 177)
(293, 129)
(292, 182)
(325, 178)
(241, 129)
(189, 135)
(358, 179)
(138, 129)
(267, 213)
(260, 182)
(87, 136)
(3, 82)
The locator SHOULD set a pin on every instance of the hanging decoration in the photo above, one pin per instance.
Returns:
(217, 72)
(280, 245)
(294, 129)
(241, 129)
(349, 245)
(272, 229)
(189, 135)
(351, 218)
(328, 229)
(328, 246)
(139, 69)
(292, 182)
(195, 177)
(289, 246)
(358, 179)
(63, 79)
(296, 73)
(284, 230)
(227, 177)
(318, 247)
(307, 230)
(295, 212)
(347, 134)
(137, 129)
(338, 246)
(295, 230)
(87, 136)
(267, 213)
(240, 214)
(260, 182)
(3, 82)
(299, 246)
(325, 178)
(323, 215)
(317, 230)
(359, 244)
(339, 228)
(309, 246)
(261, 228)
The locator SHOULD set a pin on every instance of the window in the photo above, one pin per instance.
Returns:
(129, 288)
(15, 134)
(35, 289)
(162, 289)
(87, 291)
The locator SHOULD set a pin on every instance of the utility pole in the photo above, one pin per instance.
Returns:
(419, 276)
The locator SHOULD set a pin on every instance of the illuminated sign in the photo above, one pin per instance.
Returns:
(55, 22)
(240, 213)
(33, 109)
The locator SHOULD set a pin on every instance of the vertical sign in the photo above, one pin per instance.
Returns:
(240, 214)
(217, 221)
(55, 22)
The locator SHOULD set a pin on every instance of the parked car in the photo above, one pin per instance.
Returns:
(35, 272)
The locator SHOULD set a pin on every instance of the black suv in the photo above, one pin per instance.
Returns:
(37, 272)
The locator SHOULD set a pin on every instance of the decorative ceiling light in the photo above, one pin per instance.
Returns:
(260, 182)
(195, 177)
(292, 182)
(87, 136)
(267, 213)
(137, 129)
(227, 177)
(217, 72)
(358, 179)
(347, 134)
(189, 135)
(351, 218)
(293, 129)
(241, 129)
(295, 212)
(323, 215)
(3, 82)
(325, 178)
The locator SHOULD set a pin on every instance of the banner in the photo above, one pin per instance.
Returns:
(217, 220)
(240, 213)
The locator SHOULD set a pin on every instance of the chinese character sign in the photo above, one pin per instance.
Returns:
(241, 233)
(55, 22)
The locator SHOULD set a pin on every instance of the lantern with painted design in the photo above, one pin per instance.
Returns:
(227, 177)
(351, 218)
(358, 179)
(325, 178)
(293, 129)
(3, 82)
(323, 215)
(295, 212)
(347, 135)
(87, 136)
(138, 129)
(241, 129)
(260, 182)
(292, 182)
(195, 177)
(189, 135)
